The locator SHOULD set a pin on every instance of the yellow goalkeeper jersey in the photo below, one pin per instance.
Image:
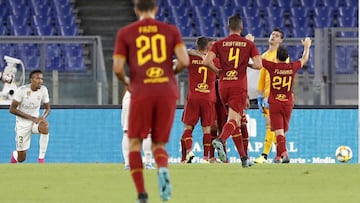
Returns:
(264, 78)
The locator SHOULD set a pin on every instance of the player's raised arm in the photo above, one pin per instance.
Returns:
(305, 57)
(182, 58)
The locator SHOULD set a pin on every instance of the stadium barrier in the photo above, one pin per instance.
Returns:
(92, 134)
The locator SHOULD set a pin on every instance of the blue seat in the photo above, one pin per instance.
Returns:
(323, 22)
(42, 10)
(40, 2)
(63, 9)
(250, 12)
(74, 63)
(65, 20)
(200, 3)
(45, 30)
(38, 20)
(31, 62)
(4, 11)
(303, 32)
(21, 30)
(323, 12)
(17, 20)
(55, 63)
(274, 12)
(299, 12)
(347, 11)
(73, 50)
(289, 4)
(300, 22)
(348, 22)
(68, 30)
(343, 64)
(308, 3)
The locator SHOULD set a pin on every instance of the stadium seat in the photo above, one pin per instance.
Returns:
(299, 12)
(63, 9)
(74, 63)
(38, 20)
(343, 61)
(42, 10)
(348, 22)
(68, 30)
(308, 3)
(4, 11)
(40, 2)
(347, 11)
(324, 12)
(250, 12)
(300, 22)
(44, 30)
(31, 62)
(323, 22)
(303, 32)
(274, 12)
(20, 30)
(17, 20)
(73, 50)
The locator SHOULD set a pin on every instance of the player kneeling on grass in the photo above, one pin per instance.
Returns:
(26, 106)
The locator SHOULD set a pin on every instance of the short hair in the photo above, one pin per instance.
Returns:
(282, 53)
(36, 71)
(235, 23)
(145, 5)
(201, 43)
(279, 30)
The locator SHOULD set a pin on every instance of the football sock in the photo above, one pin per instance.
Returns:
(146, 145)
(14, 156)
(212, 149)
(187, 138)
(237, 138)
(125, 148)
(183, 150)
(136, 170)
(269, 139)
(281, 145)
(43, 143)
(245, 137)
(227, 130)
(207, 143)
(161, 157)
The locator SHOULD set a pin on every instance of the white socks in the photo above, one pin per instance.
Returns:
(125, 148)
(146, 145)
(43, 143)
(147, 150)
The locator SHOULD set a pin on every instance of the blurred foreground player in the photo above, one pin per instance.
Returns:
(148, 46)
(26, 106)
(146, 145)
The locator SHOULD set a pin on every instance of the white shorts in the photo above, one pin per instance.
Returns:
(23, 133)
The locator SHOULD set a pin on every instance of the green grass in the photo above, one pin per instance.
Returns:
(204, 183)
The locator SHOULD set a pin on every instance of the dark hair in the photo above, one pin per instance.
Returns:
(145, 5)
(34, 72)
(235, 23)
(279, 30)
(201, 43)
(282, 53)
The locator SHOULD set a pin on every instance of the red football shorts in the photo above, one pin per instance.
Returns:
(280, 116)
(234, 98)
(151, 114)
(199, 108)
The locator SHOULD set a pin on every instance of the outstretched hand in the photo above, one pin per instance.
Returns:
(250, 37)
(306, 42)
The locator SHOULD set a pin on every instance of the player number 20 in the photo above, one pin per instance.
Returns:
(157, 46)
(279, 82)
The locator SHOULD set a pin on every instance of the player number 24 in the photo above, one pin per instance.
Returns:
(279, 82)
(157, 46)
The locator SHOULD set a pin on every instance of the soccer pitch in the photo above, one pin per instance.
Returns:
(205, 183)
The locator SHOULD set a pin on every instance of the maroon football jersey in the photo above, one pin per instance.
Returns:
(234, 52)
(148, 46)
(281, 80)
(201, 80)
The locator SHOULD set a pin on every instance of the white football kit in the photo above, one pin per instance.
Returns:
(30, 103)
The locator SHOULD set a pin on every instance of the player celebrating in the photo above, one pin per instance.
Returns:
(281, 100)
(234, 52)
(146, 145)
(26, 106)
(275, 39)
(147, 46)
(200, 102)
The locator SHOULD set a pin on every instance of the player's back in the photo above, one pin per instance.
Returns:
(201, 80)
(234, 52)
(150, 48)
